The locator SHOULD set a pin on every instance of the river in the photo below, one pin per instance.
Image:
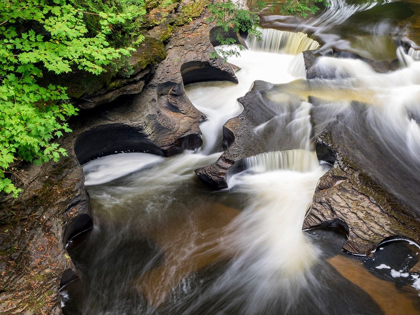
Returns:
(163, 243)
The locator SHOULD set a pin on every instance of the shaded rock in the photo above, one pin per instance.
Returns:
(115, 89)
(111, 138)
(31, 235)
(198, 71)
(329, 236)
(71, 293)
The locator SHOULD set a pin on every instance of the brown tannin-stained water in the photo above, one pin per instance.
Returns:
(163, 243)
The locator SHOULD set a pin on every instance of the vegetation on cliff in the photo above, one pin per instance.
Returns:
(41, 41)
(41, 36)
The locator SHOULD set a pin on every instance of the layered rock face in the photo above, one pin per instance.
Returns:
(54, 206)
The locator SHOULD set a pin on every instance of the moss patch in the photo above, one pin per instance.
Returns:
(190, 11)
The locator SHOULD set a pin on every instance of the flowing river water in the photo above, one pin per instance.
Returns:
(163, 243)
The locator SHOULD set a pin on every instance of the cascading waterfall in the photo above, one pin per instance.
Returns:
(262, 55)
(273, 261)
(282, 42)
(242, 250)
(294, 160)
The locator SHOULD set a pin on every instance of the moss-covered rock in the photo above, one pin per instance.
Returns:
(190, 10)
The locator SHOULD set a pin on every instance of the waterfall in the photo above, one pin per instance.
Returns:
(218, 100)
(275, 41)
(272, 253)
(294, 160)
(415, 54)
(274, 260)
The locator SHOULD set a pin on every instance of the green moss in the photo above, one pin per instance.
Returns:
(150, 52)
(190, 12)
(164, 12)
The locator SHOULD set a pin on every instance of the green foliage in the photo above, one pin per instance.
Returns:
(229, 17)
(37, 36)
(301, 7)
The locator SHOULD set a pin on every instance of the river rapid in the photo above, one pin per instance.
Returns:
(163, 243)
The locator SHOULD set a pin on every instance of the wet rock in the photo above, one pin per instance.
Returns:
(341, 195)
(411, 25)
(71, 293)
(31, 235)
(240, 138)
(329, 236)
(370, 187)
(394, 260)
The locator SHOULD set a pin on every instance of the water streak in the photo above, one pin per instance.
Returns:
(108, 168)
(337, 13)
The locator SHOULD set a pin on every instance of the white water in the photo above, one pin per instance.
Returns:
(297, 67)
(274, 257)
(395, 96)
(270, 60)
(282, 42)
(272, 253)
(218, 100)
(111, 167)
(293, 160)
